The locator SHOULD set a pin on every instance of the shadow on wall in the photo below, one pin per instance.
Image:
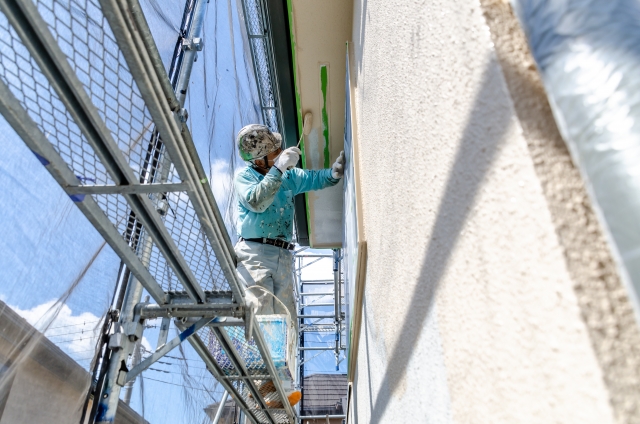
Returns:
(481, 140)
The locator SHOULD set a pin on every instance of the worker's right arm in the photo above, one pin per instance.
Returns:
(255, 194)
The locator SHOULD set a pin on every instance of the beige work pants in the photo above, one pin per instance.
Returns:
(272, 268)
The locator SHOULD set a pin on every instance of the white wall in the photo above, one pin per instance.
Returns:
(470, 313)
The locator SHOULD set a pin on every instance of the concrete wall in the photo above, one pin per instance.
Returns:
(39, 383)
(491, 296)
(39, 396)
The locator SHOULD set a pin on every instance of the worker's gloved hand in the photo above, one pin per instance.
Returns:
(337, 169)
(287, 159)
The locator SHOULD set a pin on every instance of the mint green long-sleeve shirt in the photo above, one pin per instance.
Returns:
(265, 202)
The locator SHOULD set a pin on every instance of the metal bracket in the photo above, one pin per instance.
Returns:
(120, 380)
(183, 114)
(116, 341)
(133, 330)
(195, 44)
(166, 348)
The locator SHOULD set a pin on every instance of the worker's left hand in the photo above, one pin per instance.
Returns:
(337, 169)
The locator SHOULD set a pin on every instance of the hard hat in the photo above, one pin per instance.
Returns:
(255, 141)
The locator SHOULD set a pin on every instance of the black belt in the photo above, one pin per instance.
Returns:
(273, 242)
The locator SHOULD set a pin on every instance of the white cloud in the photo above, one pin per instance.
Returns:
(76, 335)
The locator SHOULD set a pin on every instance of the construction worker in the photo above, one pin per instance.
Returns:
(265, 192)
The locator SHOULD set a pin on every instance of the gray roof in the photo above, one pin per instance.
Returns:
(323, 394)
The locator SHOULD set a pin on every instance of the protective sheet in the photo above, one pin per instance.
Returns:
(222, 98)
(222, 95)
(164, 19)
(589, 54)
(50, 252)
(58, 273)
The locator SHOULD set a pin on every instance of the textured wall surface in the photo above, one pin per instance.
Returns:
(39, 383)
(472, 312)
(38, 396)
(602, 298)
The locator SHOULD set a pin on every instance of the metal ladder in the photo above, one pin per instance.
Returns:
(83, 85)
(311, 294)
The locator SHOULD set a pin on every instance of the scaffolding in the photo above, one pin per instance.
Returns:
(83, 85)
(313, 299)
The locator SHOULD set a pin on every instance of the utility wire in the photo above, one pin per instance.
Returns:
(66, 334)
(178, 385)
(181, 374)
(73, 325)
(75, 340)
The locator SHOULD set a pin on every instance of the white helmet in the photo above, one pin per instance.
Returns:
(255, 141)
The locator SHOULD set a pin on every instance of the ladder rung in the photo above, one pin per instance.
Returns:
(322, 348)
(317, 316)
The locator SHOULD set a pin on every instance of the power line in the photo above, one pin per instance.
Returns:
(73, 325)
(75, 340)
(179, 373)
(66, 334)
(184, 359)
(180, 365)
(179, 385)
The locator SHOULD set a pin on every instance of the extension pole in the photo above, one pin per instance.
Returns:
(220, 408)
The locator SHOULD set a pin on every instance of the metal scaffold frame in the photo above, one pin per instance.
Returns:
(258, 26)
(63, 111)
(330, 287)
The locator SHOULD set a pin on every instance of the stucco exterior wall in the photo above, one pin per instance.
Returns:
(480, 291)
(39, 383)
(38, 396)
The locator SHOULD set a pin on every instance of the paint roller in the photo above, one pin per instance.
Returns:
(306, 126)
(306, 129)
